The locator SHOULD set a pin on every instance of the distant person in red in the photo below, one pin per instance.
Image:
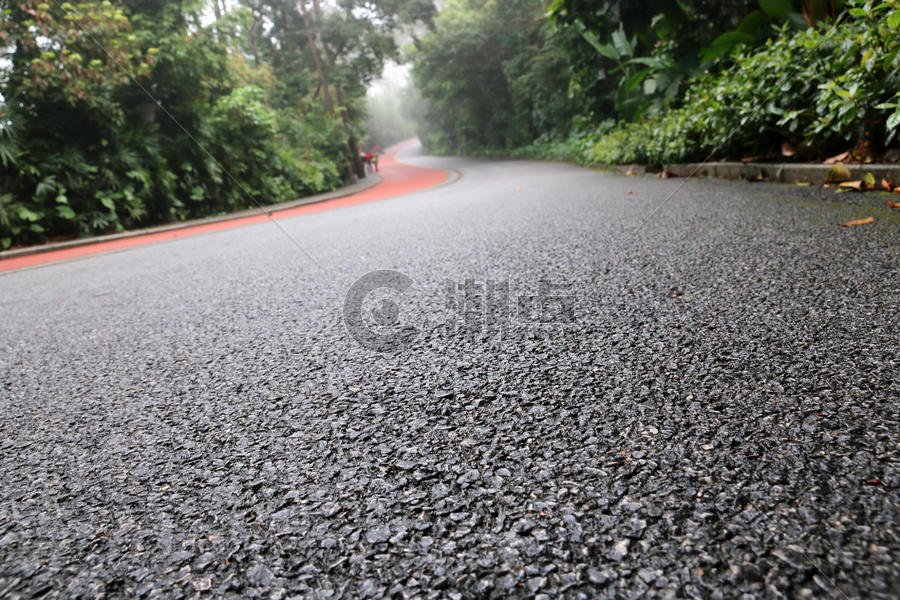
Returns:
(368, 162)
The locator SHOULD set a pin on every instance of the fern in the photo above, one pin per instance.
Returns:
(9, 151)
(6, 208)
(9, 137)
(45, 187)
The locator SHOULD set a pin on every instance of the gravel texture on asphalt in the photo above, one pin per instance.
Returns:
(719, 419)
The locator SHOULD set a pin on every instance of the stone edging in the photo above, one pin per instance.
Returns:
(371, 180)
(783, 172)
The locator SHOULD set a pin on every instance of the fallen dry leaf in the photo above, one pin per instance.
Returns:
(869, 181)
(519, 189)
(893, 204)
(675, 293)
(787, 149)
(897, 190)
(856, 222)
(885, 184)
(853, 185)
(630, 192)
(838, 172)
(665, 174)
(747, 159)
(836, 159)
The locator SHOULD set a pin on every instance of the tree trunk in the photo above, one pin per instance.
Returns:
(254, 43)
(313, 48)
(818, 10)
(358, 165)
(323, 83)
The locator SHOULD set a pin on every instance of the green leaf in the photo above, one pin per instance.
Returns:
(663, 27)
(776, 8)
(635, 80)
(725, 43)
(107, 202)
(752, 23)
(45, 186)
(893, 19)
(620, 42)
(6, 242)
(798, 21)
(893, 121)
(36, 228)
(65, 212)
(866, 57)
(650, 61)
(606, 50)
(27, 215)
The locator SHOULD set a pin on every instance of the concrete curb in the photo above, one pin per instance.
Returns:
(371, 180)
(785, 172)
(781, 172)
(630, 170)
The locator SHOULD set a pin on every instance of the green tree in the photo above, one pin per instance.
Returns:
(64, 67)
(629, 58)
(492, 76)
(116, 116)
(331, 53)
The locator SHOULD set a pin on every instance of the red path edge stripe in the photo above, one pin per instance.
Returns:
(397, 179)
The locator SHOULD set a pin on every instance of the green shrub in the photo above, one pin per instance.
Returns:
(83, 151)
(822, 90)
(576, 147)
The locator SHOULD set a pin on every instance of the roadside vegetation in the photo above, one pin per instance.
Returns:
(116, 115)
(659, 82)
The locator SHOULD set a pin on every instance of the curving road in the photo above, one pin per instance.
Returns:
(582, 385)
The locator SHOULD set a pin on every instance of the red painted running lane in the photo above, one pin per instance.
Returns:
(397, 179)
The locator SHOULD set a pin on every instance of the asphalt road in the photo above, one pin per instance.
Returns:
(690, 389)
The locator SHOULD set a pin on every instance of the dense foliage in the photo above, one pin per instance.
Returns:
(115, 115)
(630, 57)
(493, 77)
(846, 91)
(684, 80)
(118, 115)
